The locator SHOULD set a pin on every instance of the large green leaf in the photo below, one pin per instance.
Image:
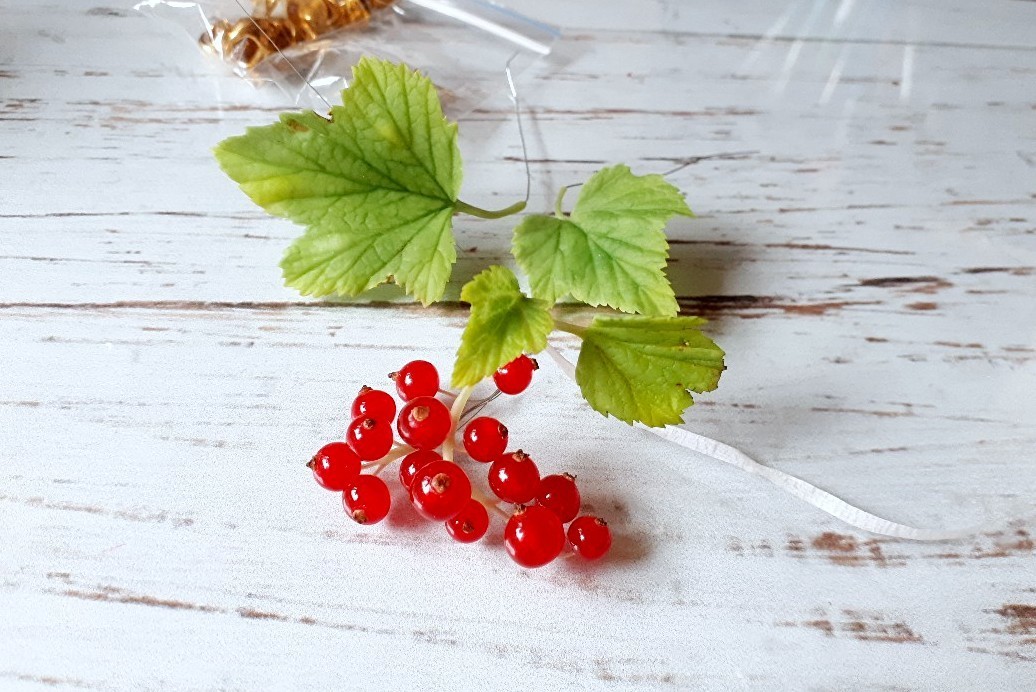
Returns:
(611, 250)
(504, 324)
(375, 185)
(641, 368)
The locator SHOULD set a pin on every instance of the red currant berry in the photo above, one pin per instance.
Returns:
(424, 423)
(416, 378)
(534, 536)
(514, 377)
(414, 462)
(514, 478)
(560, 495)
(590, 537)
(335, 466)
(485, 439)
(367, 500)
(440, 490)
(371, 439)
(470, 524)
(374, 403)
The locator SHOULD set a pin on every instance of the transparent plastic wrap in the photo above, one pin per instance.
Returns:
(308, 47)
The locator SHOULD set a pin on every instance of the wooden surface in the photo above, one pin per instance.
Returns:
(870, 269)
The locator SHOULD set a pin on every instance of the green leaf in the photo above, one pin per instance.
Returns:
(611, 250)
(504, 324)
(641, 368)
(375, 185)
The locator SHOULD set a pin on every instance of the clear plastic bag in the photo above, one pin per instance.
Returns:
(308, 47)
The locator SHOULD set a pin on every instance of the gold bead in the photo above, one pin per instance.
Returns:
(310, 18)
(350, 12)
(248, 41)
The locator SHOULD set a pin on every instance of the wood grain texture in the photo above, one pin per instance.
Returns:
(865, 249)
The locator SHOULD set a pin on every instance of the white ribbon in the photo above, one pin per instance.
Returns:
(821, 499)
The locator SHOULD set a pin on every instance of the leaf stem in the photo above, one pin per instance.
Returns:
(559, 210)
(455, 413)
(465, 208)
(570, 328)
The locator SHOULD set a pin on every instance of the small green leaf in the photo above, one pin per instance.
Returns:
(375, 185)
(641, 368)
(504, 324)
(612, 250)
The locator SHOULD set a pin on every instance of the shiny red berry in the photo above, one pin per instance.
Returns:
(590, 537)
(470, 524)
(414, 462)
(560, 495)
(514, 377)
(485, 439)
(370, 438)
(335, 466)
(514, 478)
(416, 378)
(440, 490)
(424, 423)
(534, 536)
(367, 500)
(374, 403)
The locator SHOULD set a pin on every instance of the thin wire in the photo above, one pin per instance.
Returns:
(684, 163)
(521, 130)
(281, 53)
(727, 156)
(475, 408)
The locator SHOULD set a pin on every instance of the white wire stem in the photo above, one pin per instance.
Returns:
(398, 451)
(513, 92)
(821, 499)
(455, 415)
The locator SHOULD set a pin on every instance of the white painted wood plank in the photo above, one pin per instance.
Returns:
(798, 191)
(163, 484)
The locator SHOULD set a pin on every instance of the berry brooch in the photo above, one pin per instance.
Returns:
(376, 184)
(434, 475)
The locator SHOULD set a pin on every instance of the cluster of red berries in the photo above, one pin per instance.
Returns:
(438, 487)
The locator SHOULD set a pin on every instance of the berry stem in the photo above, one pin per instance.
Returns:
(488, 503)
(570, 328)
(465, 208)
(447, 393)
(397, 452)
(455, 415)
